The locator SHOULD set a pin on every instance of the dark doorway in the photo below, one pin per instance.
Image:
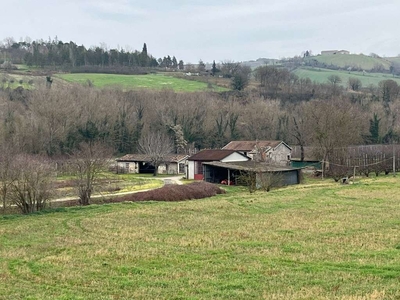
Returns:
(146, 168)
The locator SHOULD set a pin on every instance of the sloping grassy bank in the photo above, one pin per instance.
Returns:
(319, 240)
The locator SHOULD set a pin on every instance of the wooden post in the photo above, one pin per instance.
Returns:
(323, 167)
(354, 174)
(229, 177)
(394, 161)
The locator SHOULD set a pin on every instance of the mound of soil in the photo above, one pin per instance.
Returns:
(173, 192)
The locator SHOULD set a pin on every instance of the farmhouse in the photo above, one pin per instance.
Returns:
(195, 168)
(140, 163)
(272, 152)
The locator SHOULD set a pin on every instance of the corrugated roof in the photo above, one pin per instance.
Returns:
(147, 158)
(211, 155)
(251, 145)
(250, 166)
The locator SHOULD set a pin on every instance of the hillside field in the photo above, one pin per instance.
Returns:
(360, 61)
(321, 76)
(317, 240)
(152, 81)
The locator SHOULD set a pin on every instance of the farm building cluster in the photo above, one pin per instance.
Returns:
(265, 161)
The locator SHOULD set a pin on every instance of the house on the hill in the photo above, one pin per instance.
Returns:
(273, 152)
(333, 52)
(196, 162)
(141, 163)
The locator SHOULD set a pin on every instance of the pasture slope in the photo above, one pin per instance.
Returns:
(151, 81)
(359, 61)
(321, 76)
(318, 240)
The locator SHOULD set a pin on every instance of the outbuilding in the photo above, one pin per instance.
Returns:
(196, 162)
(141, 163)
(236, 172)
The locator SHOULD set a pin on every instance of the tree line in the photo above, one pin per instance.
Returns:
(54, 121)
(70, 56)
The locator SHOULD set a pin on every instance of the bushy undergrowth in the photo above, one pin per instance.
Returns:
(195, 190)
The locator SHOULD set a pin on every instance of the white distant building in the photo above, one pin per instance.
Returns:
(333, 52)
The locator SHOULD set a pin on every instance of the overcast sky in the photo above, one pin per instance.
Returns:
(211, 29)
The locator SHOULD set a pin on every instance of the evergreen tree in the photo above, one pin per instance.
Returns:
(373, 137)
(144, 51)
(174, 62)
(214, 68)
(144, 58)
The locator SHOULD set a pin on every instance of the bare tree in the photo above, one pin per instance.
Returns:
(30, 184)
(333, 125)
(88, 163)
(334, 80)
(229, 68)
(268, 180)
(355, 83)
(6, 160)
(157, 146)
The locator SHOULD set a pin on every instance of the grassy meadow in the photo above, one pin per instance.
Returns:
(151, 81)
(321, 76)
(318, 240)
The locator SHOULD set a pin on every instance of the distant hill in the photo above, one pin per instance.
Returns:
(355, 61)
(260, 62)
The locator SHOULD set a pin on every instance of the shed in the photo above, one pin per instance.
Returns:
(141, 163)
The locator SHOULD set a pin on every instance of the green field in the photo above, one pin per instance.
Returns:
(352, 60)
(152, 81)
(321, 76)
(319, 240)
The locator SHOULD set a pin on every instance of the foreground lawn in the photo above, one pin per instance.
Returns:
(319, 240)
(152, 81)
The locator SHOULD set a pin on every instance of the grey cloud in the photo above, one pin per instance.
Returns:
(237, 30)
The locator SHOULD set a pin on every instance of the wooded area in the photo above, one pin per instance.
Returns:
(57, 54)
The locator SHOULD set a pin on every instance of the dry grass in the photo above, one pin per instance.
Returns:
(315, 241)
